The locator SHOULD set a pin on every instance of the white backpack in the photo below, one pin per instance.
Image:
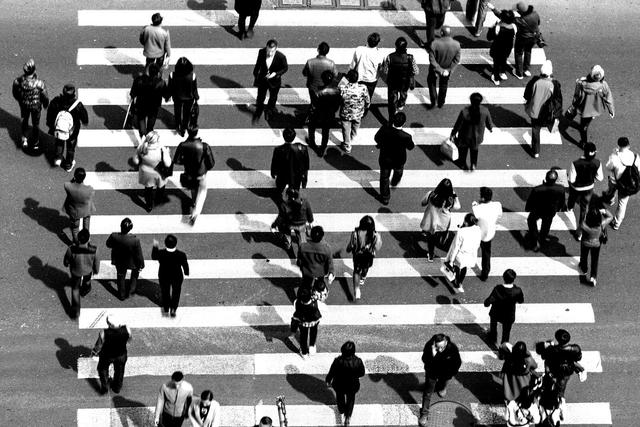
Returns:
(64, 123)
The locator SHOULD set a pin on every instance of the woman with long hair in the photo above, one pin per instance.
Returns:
(148, 155)
(469, 129)
(183, 88)
(306, 317)
(518, 368)
(437, 215)
(364, 243)
(463, 253)
(593, 230)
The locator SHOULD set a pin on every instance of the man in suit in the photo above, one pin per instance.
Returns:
(444, 56)
(126, 254)
(173, 402)
(314, 68)
(503, 300)
(393, 143)
(544, 202)
(270, 66)
(434, 11)
(289, 164)
(79, 202)
(111, 348)
(172, 263)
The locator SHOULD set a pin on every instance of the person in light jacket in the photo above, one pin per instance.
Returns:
(174, 401)
(149, 155)
(469, 129)
(204, 411)
(437, 215)
(463, 252)
(344, 376)
(488, 212)
(543, 104)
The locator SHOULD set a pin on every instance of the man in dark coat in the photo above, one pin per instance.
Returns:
(79, 202)
(82, 261)
(325, 103)
(444, 57)
(528, 22)
(561, 359)
(146, 93)
(171, 265)
(289, 164)
(544, 202)
(270, 66)
(434, 11)
(344, 376)
(393, 143)
(503, 300)
(441, 363)
(247, 8)
(126, 254)
(111, 347)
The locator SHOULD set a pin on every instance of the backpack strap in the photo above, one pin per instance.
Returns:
(74, 105)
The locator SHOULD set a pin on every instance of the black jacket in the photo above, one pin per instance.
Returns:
(546, 200)
(443, 365)
(393, 144)
(562, 360)
(193, 154)
(345, 372)
(126, 251)
(79, 114)
(247, 7)
(503, 302)
(278, 65)
(471, 134)
(171, 264)
(290, 162)
(147, 92)
(325, 103)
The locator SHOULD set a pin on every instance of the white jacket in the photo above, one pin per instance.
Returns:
(464, 249)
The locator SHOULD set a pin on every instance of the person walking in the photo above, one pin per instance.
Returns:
(78, 203)
(156, 42)
(518, 369)
(111, 349)
(247, 9)
(582, 175)
(621, 164)
(528, 24)
(463, 252)
(483, 7)
(183, 89)
(126, 254)
(344, 377)
(294, 216)
(543, 104)
(364, 243)
(442, 362)
(592, 236)
(325, 103)
(289, 164)
(197, 158)
(82, 260)
(366, 62)
(434, 11)
(399, 69)
(544, 201)
(146, 93)
(314, 68)
(591, 98)
(204, 411)
(152, 156)
(503, 300)
(315, 259)
(444, 57)
(488, 212)
(306, 316)
(31, 94)
(502, 34)
(174, 401)
(469, 130)
(356, 99)
(172, 263)
(271, 65)
(436, 220)
(65, 116)
(393, 143)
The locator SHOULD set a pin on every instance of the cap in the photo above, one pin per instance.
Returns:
(521, 7)
(547, 68)
(597, 72)
(29, 66)
(69, 89)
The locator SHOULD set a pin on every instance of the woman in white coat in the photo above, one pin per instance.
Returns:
(204, 412)
(463, 253)
(148, 155)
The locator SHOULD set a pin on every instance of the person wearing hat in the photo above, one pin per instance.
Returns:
(111, 348)
(543, 203)
(503, 34)
(289, 164)
(582, 175)
(66, 134)
(247, 9)
(528, 22)
(31, 94)
(591, 98)
(538, 95)
(156, 42)
(148, 156)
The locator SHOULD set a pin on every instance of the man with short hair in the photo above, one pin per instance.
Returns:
(444, 56)
(366, 62)
(434, 11)
(399, 68)
(126, 254)
(315, 258)
(79, 202)
(271, 65)
(64, 130)
(173, 402)
(324, 105)
(355, 101)
(582, 175)
(503, 300)
(314, 68)
(621, 159)
(82, 261)
(527, 23)
(111, 348)
(172, 267)
(543, 203)
(393, 143)
(156, 42)
(265, 422)
(31, 94)
(487, 212)
(289, 164)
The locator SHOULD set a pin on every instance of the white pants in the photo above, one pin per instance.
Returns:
(199, 195)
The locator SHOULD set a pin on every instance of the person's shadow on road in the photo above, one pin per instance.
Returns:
(48, 218)
(53, 278)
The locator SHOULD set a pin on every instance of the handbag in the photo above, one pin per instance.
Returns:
(164, 171)
(518, 416)
(449, 149)
(540, 41)
(447, 271)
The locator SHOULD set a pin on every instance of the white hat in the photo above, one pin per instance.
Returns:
(547, 68)
(597, 73)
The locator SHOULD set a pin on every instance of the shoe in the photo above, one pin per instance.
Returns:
(578, 236)
(483, 277)
(242, 35)
(357, 293)
(442, 393)
(593, 281)
(536, 156)
(115, 390)
(347, 421)
(172, 313)
(69, 168)
(459, 289)
(527, 73)
(385, 202)
(429, 258)
(312, 350)
(103, 390)
(423, 420)
(249, 34)
(503, 76)
(304, 356)
(57, 162)
(85, 291)
(536, 248)
(614, 225)
(321, 152)
(495, 82)
(473, 167)
(165, 312)
(361, 282)
(516, 75)
(346, 149)
(25, 142)
(478, 34)
(192, 219)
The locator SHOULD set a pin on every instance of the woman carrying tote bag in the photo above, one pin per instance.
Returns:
(154, 167)
(437, 215)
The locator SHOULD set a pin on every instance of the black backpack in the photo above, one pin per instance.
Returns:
(629, 182)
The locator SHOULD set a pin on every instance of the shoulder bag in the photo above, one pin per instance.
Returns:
(164, 171)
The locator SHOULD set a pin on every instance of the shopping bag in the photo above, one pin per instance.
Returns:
(449, 149)
(447, 271)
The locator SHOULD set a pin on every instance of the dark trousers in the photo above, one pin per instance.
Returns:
(522, 50)
(146, 121)
(170, 292)
(123, 290)
(482, 15)
(371, 88)
(75, 226)
(583, 128)
(262, 95)
(433, 21)
(242, 22)
(532, 223)
(70, 144)
(158, 61)
(431, 385)
(80, 286)
(308, 338)
(499, 66)
(167, 420)
(485, 250)
(583, 198)
(118, 372)
(397, 98)
(25, 113)
(182, 112)
(345, 401)
(325, 130)
(536, 127)
(385, 174)
(462, 156)
(437, 97)
(493, 330)
(432, 238)
(461, 273)
(595, 257)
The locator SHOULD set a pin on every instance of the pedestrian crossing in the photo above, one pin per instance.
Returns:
(372, 316)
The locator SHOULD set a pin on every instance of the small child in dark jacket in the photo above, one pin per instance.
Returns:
(503, 300)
